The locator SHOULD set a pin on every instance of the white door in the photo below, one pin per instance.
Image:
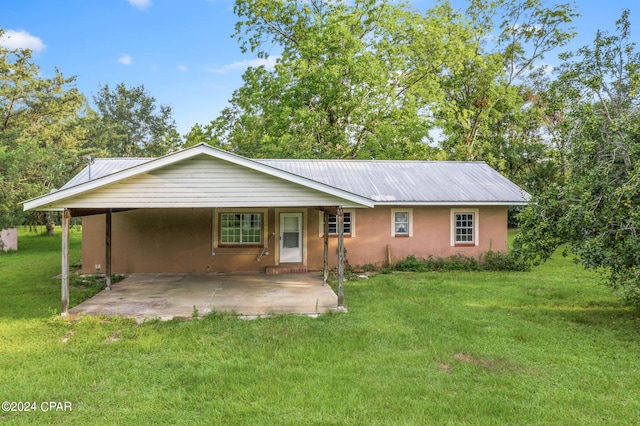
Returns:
(290, 237)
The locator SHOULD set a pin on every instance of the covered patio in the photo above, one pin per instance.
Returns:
(171, 295)
(200, 209)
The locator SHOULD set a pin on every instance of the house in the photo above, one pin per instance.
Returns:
(203, 209)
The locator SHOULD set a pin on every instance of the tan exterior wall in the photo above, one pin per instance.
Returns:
(431, 235)
(164, 240)
(181, 240)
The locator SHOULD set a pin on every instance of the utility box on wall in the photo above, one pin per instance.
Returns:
(9, 239)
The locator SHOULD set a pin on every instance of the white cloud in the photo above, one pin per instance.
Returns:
(182, 68)
(21, 39)
(140, 4)
(268, 63)
(125, 59)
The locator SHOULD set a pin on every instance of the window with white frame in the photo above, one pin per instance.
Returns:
(241, 228)
(464, 227)
(402, 222)
(349, 224)
(333, 223)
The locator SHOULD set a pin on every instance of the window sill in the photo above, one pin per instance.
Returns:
(401, 236)
(240, 245)
(464, 244)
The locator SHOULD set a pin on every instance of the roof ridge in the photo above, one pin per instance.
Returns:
(124, 158)
(345, 160)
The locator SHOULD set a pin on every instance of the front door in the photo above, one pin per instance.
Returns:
(290, 237)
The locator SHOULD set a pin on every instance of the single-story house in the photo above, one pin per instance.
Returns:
(204, 209)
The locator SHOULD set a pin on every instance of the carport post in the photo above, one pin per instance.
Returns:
(325, 232)
(340, 257)
(66, 219)
(107, 277)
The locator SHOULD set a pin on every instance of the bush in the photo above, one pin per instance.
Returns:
(500, 261)
(490, 261)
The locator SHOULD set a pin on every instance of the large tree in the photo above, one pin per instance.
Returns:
(353, 79)
(39, 132)
(596, 208)
(492, 108)
(373, 79)
(127, 122)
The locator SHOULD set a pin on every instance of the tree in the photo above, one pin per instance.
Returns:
(596, 210)
(127, 123)
(492, 108)
(352, 81)
(39, 132)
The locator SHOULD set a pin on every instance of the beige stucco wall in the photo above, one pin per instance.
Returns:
(181, 240)
(431, 235)
(164, 240)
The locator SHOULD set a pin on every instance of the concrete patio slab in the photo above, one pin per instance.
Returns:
(168, 295)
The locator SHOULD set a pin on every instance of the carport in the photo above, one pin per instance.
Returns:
(202, 177)
(170, 295)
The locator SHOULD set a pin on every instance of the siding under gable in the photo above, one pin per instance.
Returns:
(203, 181)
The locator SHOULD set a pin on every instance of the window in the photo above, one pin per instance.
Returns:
(333, 223)
(402, 222)
(349, 223)
(241, 228)
(464, 227)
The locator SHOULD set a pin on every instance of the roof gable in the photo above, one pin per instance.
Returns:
(170, 181)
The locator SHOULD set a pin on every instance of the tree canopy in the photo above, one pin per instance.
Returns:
(595, 208)
(373, 79)
(128, 123)
(351, 81)
(47, 127)
(39, 130)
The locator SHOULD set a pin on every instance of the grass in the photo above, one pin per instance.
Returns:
(548, 346)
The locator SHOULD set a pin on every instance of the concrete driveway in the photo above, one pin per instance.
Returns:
(169, 295)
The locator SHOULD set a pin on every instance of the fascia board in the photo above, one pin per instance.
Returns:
(451, 203)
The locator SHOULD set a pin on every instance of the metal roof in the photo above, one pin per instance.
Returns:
(383, 181)
(103, 167)
(432, 182)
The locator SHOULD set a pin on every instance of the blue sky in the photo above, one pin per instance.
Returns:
(181, 50)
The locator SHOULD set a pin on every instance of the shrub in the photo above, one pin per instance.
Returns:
(500, 261)
(490, 261)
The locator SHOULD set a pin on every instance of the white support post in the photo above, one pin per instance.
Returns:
(340, 257)
(66, 219)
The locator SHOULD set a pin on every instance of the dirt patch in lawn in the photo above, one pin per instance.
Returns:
(497, 364)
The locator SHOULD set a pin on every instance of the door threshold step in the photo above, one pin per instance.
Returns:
(278, 270)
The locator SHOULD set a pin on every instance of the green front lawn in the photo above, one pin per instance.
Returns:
(548, 346)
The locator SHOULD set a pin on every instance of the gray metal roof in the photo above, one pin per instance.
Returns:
(410, 181)
(104, 167)
(383, 181)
